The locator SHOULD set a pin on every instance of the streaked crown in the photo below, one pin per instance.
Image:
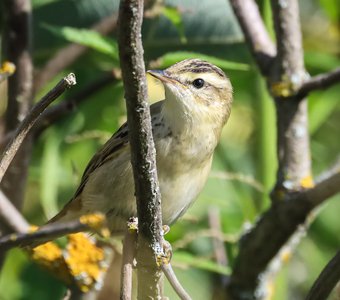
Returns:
(206, 83)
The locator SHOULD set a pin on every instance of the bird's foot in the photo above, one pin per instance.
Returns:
(165, 257)
(132, 224)
(166, 229)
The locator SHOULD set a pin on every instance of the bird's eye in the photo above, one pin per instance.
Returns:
(198, 83)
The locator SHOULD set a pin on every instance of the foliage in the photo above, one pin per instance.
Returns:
(247, 147)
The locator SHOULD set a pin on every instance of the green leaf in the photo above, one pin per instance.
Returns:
(320, 107)
(174, 16)
(321, 61)
(189, 260)
(173, 57)
(50, 173)
(332, 9)
(88, 38)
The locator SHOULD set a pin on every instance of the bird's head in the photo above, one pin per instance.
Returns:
(195, 91)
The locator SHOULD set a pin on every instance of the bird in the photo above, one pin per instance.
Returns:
(186, 128)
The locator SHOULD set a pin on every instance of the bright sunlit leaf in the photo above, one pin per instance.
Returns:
(88, 38)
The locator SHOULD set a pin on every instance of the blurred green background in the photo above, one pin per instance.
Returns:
(245, 162)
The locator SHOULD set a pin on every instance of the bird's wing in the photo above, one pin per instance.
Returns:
(111, 148)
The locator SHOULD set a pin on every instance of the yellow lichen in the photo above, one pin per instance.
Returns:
(132, 225)
(7, 67)
(286, 255)
(33, 228)
(50, 256)
(270, 290)
(307, 182)
(48, 252)
(81, 262)
(97, 222)
(84, 260)
(282, 89)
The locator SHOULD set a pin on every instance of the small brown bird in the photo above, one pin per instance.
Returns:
(186, 127)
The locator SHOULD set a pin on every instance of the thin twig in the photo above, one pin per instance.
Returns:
(218, 245)
(142, 147)
(176, 285)
(255, 33)
(68, 55)
(319, 82)
(54, 113)
(327, 186)
(30, 119)
(129, 247)
(243, 178)
(326, 281)
(191, 236)
(45, 233)
(11, 215)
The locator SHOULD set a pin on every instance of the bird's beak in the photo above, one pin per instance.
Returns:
(162, 76)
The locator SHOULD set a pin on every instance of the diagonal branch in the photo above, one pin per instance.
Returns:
(283, 217)
(326, 281)
(319, 82)
(290, 207)
(176, 285)
(45, 233)
(142, 149)
(256, 35)
(54, 113)
(327, 186)
(30, 119)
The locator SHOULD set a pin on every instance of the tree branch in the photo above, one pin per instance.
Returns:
(45, 233)
(54, 113)
(326, 281)
(218, 245)
(142, 149)
(327, 186)
(30, 119)
(289, 208)
(176, 285)
(92, 222)
(129, 247)
(292, 116)
(283, 218)
(17, 36)
(319, 82)
(68, 55)
(256, 35)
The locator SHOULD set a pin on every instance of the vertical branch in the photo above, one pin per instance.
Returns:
(18, 42)
(287, 75)
(142, 148)
(129, 246)
(255, 33)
